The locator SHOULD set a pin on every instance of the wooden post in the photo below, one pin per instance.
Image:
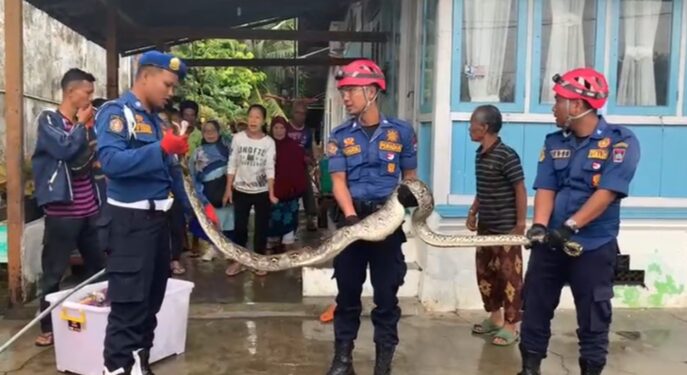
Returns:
(112, 54)
(14, 144)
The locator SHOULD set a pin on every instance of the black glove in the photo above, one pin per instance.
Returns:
(406, 197)
(559, 237)
(536, 234)
(351, 220)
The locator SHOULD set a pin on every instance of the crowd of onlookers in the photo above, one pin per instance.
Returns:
(260, 165)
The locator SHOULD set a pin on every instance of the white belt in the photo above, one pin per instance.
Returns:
(160, 204)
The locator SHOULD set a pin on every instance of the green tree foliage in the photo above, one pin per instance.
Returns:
(226, 93)
(228, 90)
(278, 78)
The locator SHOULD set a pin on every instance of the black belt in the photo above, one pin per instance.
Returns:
(366, 207)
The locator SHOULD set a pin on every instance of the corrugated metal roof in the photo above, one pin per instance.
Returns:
(89, 17)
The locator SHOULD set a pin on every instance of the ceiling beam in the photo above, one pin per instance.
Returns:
(326, 61)
(172, 33)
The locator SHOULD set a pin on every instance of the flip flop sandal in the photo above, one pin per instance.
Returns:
(236, 272)
(178, 270)
(259, 273)
(328, 314)
(508, 337)
(45, 339)
(485, 328)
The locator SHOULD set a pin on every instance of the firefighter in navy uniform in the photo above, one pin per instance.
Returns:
(584, 171)
(368, 155)
(138, 159)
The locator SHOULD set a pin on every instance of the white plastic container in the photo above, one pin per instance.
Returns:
(79, 348)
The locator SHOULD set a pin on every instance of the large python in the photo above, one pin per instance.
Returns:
(375, 227)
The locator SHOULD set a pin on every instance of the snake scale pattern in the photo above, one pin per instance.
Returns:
(375, 227)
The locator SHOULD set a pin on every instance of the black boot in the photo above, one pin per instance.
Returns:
(530, 363)
(589, 368)
(385, 355)
(342, 364)
(144, 354)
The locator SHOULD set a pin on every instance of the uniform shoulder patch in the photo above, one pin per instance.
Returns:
(332, 148)
(116, 124)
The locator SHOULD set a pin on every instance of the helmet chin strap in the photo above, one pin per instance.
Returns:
(571, 119)
(368, 102)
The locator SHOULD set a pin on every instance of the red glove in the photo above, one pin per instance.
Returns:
(211, 214)
(174, 144)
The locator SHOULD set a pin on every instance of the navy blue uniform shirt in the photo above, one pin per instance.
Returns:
(130, 153)
(605, 160)
(373, 165)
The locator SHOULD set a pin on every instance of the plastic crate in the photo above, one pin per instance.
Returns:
(79, 330)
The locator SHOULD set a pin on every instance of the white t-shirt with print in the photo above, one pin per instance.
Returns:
(251, 162)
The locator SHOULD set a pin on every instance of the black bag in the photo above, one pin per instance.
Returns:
(214, 190)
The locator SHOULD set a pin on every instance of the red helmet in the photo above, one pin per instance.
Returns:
(361, 73)
(582, 83)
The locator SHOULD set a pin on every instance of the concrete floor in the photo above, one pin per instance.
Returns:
(642, 342)
(262, 325)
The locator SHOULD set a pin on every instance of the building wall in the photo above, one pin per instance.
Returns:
(50, 49)
(659, 247)
(654, 217)
(661, 128)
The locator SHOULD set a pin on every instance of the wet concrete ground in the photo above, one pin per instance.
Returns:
(642, 342)
(262, 325)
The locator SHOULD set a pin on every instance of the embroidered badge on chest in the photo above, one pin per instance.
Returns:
(143, 128)
(596, 165)
(391, 168)
(390, 146)
(598, 154)
(596, 179)
(392, 136)
(350, 141)
(563, 153)
(604, 142)
(351, 150)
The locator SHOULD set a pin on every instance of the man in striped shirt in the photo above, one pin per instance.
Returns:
(68, 187)
(500, 206)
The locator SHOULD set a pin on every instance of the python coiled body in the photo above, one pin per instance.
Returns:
(375, 227)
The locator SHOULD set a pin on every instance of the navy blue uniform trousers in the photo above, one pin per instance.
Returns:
(590, 277)
(387, 270)
(137, 272)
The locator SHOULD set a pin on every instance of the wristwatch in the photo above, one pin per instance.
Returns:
(572, 224)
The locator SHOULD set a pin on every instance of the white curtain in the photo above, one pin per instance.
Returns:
(637, 83)
(566, 42)
(486, 34)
